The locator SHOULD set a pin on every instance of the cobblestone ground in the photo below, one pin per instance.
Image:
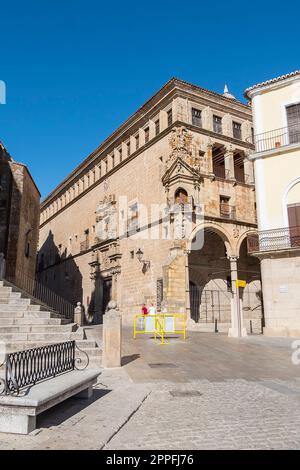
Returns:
(229, 415)
(157, 401)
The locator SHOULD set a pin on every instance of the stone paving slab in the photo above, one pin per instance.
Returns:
(242, 394)
(84, 424)
(229, 415)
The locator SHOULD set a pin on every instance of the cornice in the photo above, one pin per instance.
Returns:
(172, 87)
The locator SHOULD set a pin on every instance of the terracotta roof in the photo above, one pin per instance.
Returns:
(269, 82)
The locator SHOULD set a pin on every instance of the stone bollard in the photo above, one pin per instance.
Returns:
(78, 314)
(112, 332)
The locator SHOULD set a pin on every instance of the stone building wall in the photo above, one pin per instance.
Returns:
(19, 219)
(172, 153)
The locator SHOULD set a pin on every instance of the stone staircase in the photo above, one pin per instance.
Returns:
(26, 324)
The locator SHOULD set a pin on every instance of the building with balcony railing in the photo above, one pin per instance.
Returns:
(168, 167)
(276, 114)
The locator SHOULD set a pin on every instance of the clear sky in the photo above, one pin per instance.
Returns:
(76, 69)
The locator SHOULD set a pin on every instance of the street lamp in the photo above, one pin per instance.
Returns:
(146, 264)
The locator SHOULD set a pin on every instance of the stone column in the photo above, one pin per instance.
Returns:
(151, 129)
(187, 287)
(141, 137)
(112, 337)
(209, 159)
(248, 170)
(237, 329)
(207, 118)
(163, 120)
(180, 109)
(227, 125)
(229, 164)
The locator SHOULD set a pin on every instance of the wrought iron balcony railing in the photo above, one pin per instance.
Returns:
(274, 240)
(277, 138)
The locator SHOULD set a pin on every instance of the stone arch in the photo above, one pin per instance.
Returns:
(240, 241)
(218, 229)
(285, 201)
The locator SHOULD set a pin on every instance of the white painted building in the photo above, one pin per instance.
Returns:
(276, 118)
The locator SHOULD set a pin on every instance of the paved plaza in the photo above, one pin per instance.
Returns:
(208, 392)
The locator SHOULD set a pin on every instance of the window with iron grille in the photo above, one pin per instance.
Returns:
(217, 124)
(170, 117)
(196, 117)
(237, 130)
(293, 121)
(157, 127)
(146, 134)
(224, 206)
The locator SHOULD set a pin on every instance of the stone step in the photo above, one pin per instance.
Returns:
(10, 295)
(37, 328)
(25, 313)
(32, 321)
(11, 315)
(13, 346)
(48, 337)
(15, 302)
(19, 307)
(93, 352)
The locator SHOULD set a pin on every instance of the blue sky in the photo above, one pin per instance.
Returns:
(75, 70)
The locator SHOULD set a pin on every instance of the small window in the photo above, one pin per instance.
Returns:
(157, 127)
(217, 124)
(224, 206)
(128, 148)
(113, 161)
(106, 165)
(237, 130)
(120, 154)
(170, 117)
(137, 141)
(196, 117)
(146, 134)
(132, 254)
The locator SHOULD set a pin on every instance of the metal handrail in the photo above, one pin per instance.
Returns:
(277, 138)
(274, 239)
(41, 293)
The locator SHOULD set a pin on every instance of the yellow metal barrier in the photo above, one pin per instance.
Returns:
(160, 325)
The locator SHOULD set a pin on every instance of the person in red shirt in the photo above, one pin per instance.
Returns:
(144, 309)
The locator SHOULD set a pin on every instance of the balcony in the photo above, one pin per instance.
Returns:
(277, 138)
(274, 240)
(227, 211)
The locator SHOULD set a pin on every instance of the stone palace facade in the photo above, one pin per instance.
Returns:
(159, 213)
